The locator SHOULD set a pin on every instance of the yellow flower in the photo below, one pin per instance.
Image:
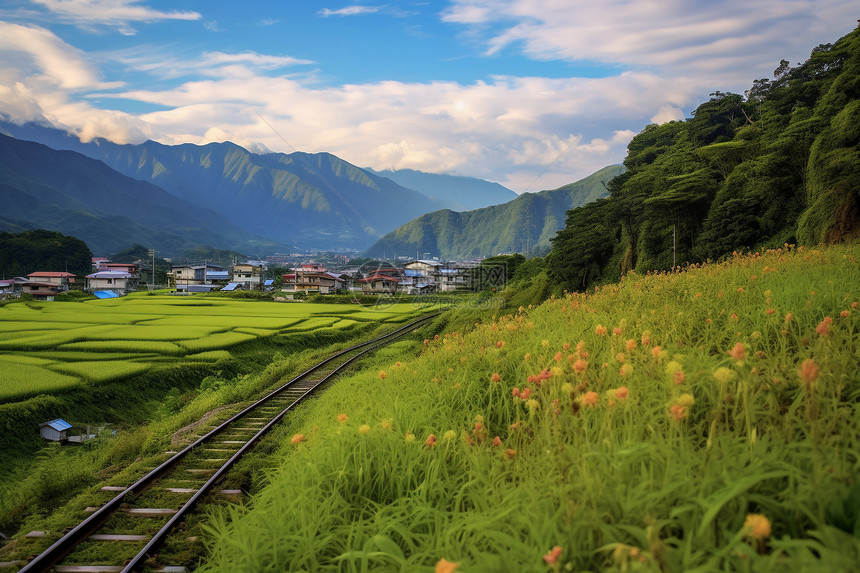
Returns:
(363, 429)
(387, 423)
(626, 370)
(532, 404)
(757, 526)
(410, 437)
(724, 375)
(449, 435)
(685, 400)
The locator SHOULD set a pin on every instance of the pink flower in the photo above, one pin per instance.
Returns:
(553, 555)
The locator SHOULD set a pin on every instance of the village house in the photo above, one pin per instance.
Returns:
(40, 290)
(444, 277)
(202, 277)
(313, 281)
(117, 282)
(55, 430)
(379, 283)
(62, 280)
(131, 268)
(248, 275)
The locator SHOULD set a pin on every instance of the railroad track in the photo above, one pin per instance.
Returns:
(139, 517)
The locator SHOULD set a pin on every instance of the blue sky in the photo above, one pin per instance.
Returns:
(533, 94)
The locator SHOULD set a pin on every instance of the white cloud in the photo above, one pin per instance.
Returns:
(349, 11)
(113, 13)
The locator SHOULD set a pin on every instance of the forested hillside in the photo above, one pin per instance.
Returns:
(777, 165)
(523, 225)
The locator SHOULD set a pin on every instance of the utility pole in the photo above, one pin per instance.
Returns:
(674, 247)
(151, 253)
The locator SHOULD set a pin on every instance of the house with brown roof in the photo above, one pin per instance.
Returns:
(313, 281)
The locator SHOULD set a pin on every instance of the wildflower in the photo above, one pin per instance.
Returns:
(845, 313)
(298, 438)
(685, 400)
(619, 357)
(630, 345)
(342, 418)
(734, 316)
(500, 343)
(737, 353)
(757, 526)
(445, 566)
(532, 405)
(567, 387)
(678, 412)
(580, 365)
(655, 352)
(553, 555)
(823, 327)
(544, 342)
(678, 377)
(409, 437)
(621, 393)
(495, 377)
(558, 356)
(398, 364)
(723, 375)
(600, 330)
(616, 331)
(430, 441)
(364, 429)
(589, 398)
(386, 424)
(770, 311)
(565, 346)
(510, 453)
(788, 317)
(516, 392)
(382, 374)
(528, 356)
(626, 370)
(449, 435)
(497, 441)
(525, 393)
(808, 370)
(646, 338)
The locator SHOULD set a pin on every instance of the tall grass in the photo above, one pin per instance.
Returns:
(695, 421)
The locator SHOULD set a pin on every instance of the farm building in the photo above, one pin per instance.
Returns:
(55, 430)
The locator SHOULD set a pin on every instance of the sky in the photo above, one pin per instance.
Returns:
(533, 94)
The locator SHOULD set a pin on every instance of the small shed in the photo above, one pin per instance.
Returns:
(55, 430)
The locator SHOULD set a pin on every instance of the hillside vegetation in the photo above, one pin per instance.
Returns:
(779, 165)
(523, 225)
(695, 421)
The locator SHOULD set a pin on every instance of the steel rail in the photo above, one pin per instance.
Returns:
(46, 560)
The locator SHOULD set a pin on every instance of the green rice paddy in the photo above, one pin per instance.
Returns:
(60, 345)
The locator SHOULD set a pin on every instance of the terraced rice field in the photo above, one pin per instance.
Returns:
(54, 346)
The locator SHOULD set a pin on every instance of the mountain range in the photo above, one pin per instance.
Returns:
(459, 193)
(523, 225)
(299, 199)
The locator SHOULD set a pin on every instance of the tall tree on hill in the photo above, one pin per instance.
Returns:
(40, 250)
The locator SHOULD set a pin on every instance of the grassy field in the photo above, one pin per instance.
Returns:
(707, 420)
(46, 347)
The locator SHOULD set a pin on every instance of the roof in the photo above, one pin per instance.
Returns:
(105, 294)
(378, 277)
(110, 275)
(59, 424)
(425, 262)
(43, 274)
(269, 282)
(231, 286)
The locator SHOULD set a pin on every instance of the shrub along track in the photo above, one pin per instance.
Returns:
(140, 517)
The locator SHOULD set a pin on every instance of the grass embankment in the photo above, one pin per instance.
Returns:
(700, 421)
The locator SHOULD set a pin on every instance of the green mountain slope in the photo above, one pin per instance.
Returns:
(459, 193)
(311, 200)
(65, 191)
(524, 225)
(781, 165)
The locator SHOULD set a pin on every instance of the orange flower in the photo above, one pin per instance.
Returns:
(678, 412)
(382, 374)
(497, 441)
(495, 377)
(770, 311)
(845, 313)
(788, 317)
(445, 566)
(298, 438)
(808, 370)
(630, 345)
(510, 454)
(342, 418)
(823, 327)
(678, 377)
(558, 356)
(500, 343)
(738, 353)
(600, 330)
(553, 555)
(430, 441)
(589, 398)
(646, 338)
(621, 393)
(757, 527)
(516, 392)
(525, 393)
(616, 331)
(655, 352)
